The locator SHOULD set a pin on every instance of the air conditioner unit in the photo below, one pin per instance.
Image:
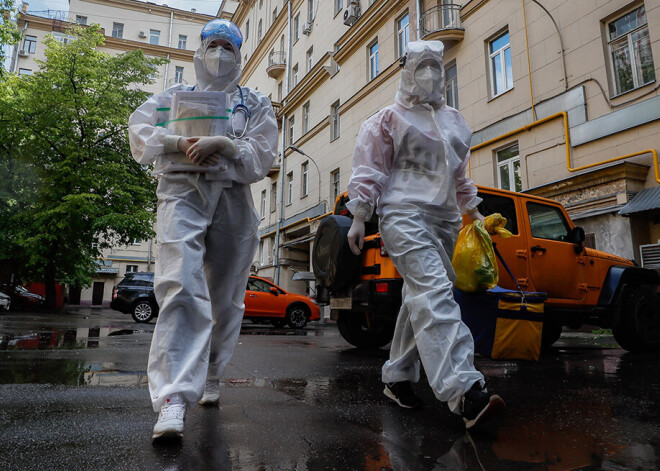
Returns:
(307, 28)
(352, 14)
(23, 53)
(142, 34)
(650, 255)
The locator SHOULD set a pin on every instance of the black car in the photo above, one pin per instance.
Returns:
(135, 295)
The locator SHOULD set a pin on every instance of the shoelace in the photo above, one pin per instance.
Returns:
(212, 386)
(173, 411)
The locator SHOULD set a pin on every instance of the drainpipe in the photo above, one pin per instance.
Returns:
(561, 43)
(169, 44)
(418, 11)
(17, 47)
(529, 63)
(280, 216)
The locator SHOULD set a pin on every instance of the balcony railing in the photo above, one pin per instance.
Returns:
(276, 63)
(440, 19)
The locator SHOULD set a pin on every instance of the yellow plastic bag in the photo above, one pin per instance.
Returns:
(474, 259)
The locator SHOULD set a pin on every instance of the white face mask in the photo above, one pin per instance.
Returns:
(219, 61)
(428, 76)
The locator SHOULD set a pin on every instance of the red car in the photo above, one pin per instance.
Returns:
(265, 301)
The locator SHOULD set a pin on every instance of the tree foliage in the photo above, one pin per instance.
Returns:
(9, 33)
(72, 187)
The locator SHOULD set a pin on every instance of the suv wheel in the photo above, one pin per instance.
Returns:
(296, 316)
(356, 330)
(637, 328)
(143, 311)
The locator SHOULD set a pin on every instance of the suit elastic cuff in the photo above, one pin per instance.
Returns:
(171, 143)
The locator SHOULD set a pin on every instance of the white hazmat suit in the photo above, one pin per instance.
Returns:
(410, 160)
(206, 222)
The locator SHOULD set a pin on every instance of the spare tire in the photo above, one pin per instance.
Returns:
(335, 266)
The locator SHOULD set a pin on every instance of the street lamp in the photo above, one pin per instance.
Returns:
(296, 149)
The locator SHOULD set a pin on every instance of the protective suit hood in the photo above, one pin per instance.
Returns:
(214, 80)
(423, 75)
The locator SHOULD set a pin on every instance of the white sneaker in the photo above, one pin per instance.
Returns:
(211, 393)
(170, 419)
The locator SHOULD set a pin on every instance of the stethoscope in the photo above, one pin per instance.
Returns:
(240, 108)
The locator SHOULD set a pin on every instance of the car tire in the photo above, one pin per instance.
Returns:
(143, 311)
(335, 266)
(355, 329)
(297, 316)
(637, 326)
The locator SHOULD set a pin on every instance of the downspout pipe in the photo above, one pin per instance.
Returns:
(529, 63)
(561, 42)
(280, 216)
(418, 12)
(169, 44)
(17, 47)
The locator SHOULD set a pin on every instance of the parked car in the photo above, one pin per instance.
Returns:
(264, 301)
(546, 253)
(25, 299)
(5, 302)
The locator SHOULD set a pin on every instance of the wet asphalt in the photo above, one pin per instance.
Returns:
(73, 395)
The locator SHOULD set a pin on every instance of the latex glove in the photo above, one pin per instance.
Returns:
(205, 150)
(356, 235)
(475, 215)
(495, 225)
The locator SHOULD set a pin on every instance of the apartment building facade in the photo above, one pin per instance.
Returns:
(158, 31)
(562, 98)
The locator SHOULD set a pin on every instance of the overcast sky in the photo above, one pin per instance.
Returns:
(210, 7)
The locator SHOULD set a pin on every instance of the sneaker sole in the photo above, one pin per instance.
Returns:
(391, 395)
(207, 402)
(494, 407)
(167, 434)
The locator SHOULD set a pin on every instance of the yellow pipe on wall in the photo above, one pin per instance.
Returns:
(564, 115)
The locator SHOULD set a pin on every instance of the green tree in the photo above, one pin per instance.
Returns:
(9, 33)
(72, 188)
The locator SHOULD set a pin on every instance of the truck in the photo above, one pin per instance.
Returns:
(546, 253)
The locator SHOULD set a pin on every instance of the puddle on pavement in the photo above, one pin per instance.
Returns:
(70, 339)
(256, 329)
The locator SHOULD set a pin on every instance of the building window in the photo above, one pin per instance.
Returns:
(296, 28)
(63, 38)
(259, 30)
(630, 51)
(30, 44)
(304, 183)
(118, 30)
(279, 92)
(178, 74)
(24, 72)
(501, 74)
(273, 197)
(81, 20)
(334, 185)
(154, 36)
(262, 208)
(274, 14)
(289, 188)
(451, 85)
(310, 10)
(334, 116)
(131, 268)
(310, 52)
(403, 34)
(305, 122)
(261, 253)
(373, 60)
(292, 124)
(339, 6)
(183, 39)
(261, 4)
(294, 76)
(247, 29)
(508, 169)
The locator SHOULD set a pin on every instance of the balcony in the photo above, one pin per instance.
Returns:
(442, 23)
(276, 64)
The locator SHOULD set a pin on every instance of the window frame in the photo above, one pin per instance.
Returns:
(335, 182)
(305, 121)
(310, 11)
(335, 121)
(178, 73)
(491, 56)
(372, 60)
(260, 28)
(510, 164)
(30, 44)
(273, 197)
(339, 6)
(131, 269)
(292, 130)
(401, 48)
(454, 95)
(154, 33)
(23, 72)
(117, 30)
(185, 41)
(262, 207)
(627, 39)
(304, 179)
(81, 20)
(289, 181)
(296, 28)
(309, 59)
(294, 75)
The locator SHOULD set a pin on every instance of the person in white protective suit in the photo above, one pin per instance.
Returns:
(206, 221)
(410, 161)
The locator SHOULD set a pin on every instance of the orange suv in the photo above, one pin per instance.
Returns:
(546, 253)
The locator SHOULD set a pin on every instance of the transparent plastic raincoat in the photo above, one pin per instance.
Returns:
(411, 159)
(206, 222)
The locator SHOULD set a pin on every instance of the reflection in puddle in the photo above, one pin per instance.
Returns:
(70, 339)
(256, 329)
